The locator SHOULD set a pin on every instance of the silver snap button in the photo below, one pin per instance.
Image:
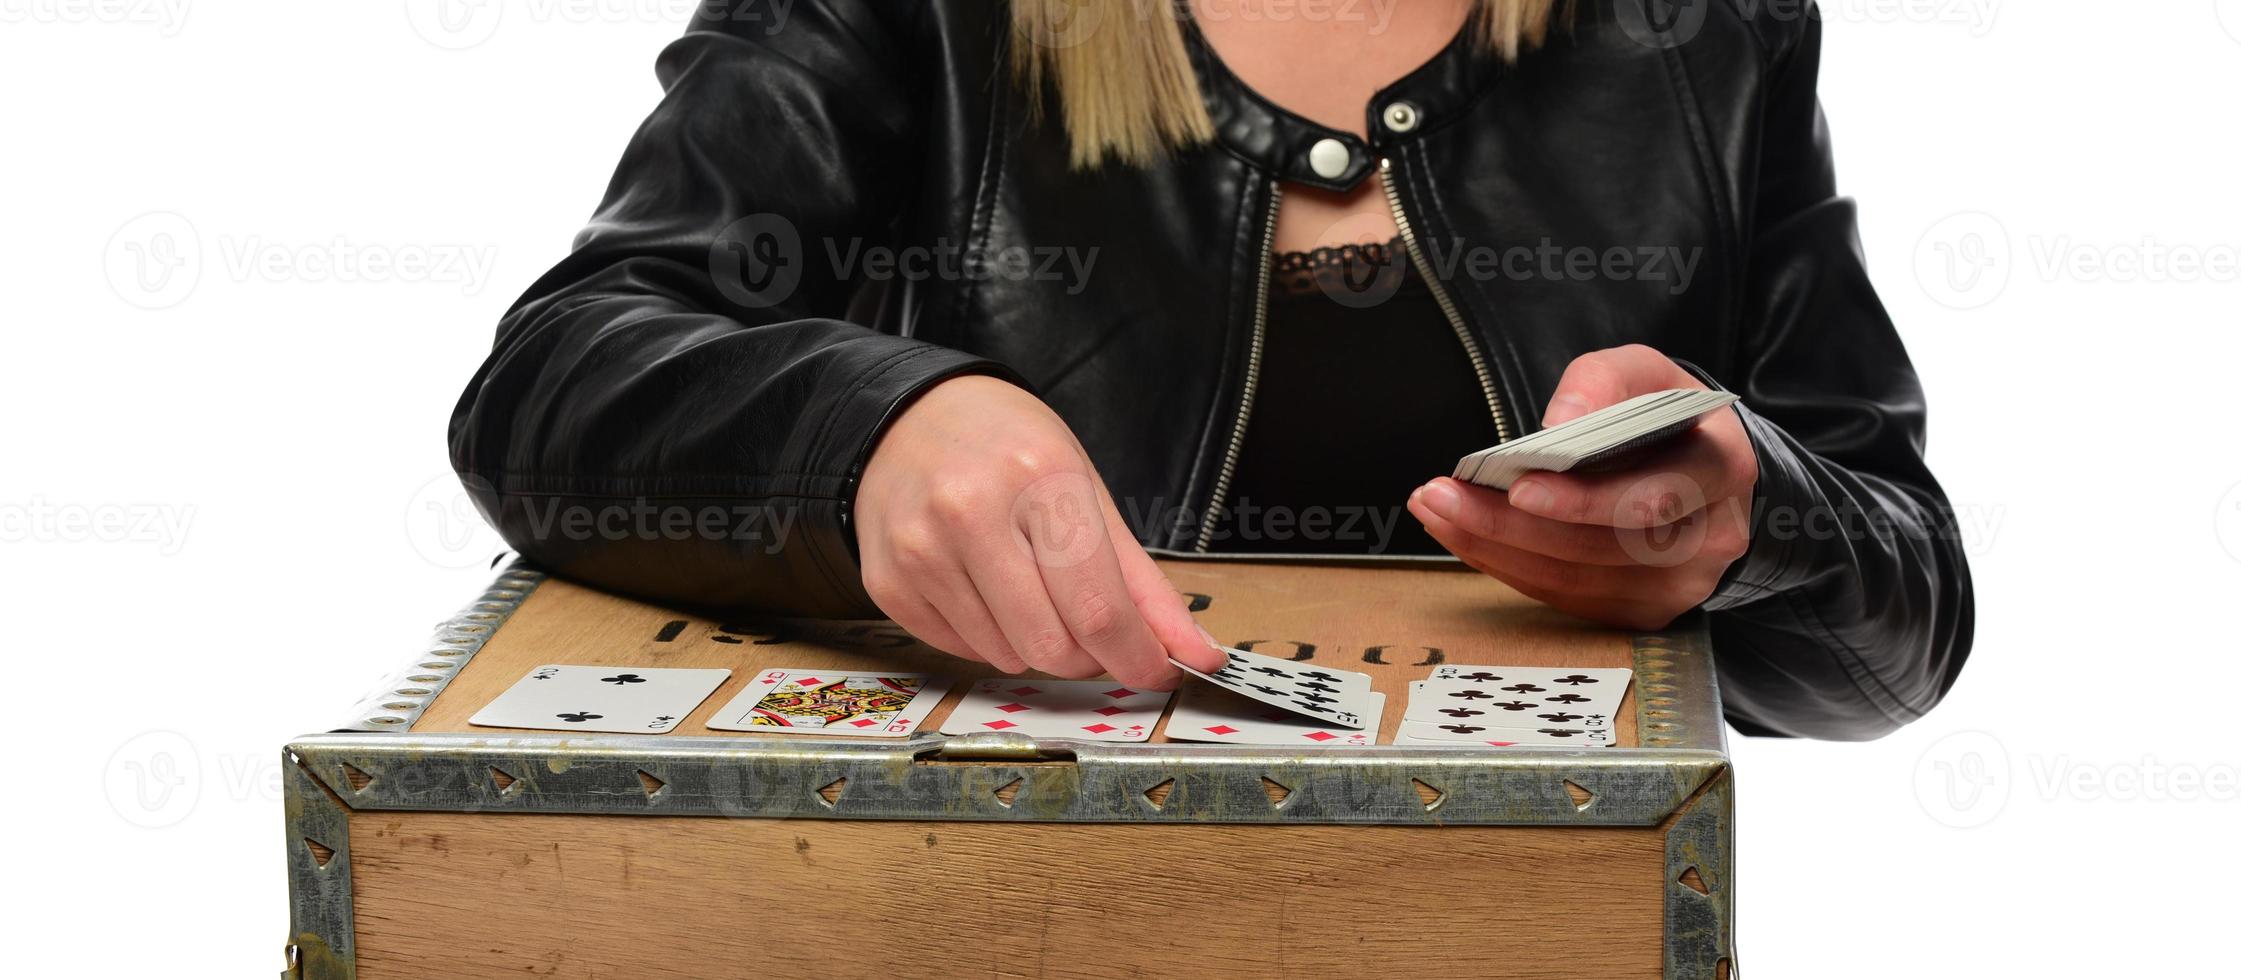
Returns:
(1329, 158)
(1400, 117)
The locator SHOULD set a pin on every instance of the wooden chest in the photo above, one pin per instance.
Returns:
(419, 846)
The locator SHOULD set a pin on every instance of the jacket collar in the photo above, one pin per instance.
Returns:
(1296, 149)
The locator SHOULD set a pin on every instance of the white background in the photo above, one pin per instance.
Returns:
(225, 517)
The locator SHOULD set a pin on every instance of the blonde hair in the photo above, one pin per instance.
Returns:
(1125, 85)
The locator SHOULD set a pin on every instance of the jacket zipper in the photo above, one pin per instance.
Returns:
(1446, 302)
(1252, 373)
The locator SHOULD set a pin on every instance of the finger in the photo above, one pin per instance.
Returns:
(912, 577)
(1675, 482)
(1485, 513)
(1012, 589)
(927, 625)
(1065, 529)
(1525, 569)
(958, 602)
(1625, 612)
(1165, 610)
(1600, 379)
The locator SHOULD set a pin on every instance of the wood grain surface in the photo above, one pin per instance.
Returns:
(462, 895)
(1394, 623)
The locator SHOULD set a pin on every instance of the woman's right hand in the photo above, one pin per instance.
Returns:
(985, 532)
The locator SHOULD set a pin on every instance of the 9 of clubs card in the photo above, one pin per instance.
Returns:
(575, 698)
(819, 701)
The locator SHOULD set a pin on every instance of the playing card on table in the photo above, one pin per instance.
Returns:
(1520, 693)
(574, 698)
(1335, 697)
(1104, 711)
(1422, 733)
(1211, 714)
(822, 701)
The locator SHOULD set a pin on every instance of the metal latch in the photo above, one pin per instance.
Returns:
(981, 747)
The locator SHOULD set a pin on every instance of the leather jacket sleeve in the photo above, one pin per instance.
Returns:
(677, 409)
(1851, 614)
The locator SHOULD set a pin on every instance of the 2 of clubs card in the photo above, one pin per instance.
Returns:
(622, 700)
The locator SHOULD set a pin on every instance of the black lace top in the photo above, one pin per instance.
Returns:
(1364, 393)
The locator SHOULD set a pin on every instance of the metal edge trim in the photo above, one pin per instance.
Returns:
(1665, 665)
(322, 937)
(406, 694)
(1061, 781)
(1700, 926)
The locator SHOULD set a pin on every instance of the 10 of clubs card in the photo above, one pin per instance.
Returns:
(575, 698)
(1334, 697)
(821, 701)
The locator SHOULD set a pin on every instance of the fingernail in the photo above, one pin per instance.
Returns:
(1442, 500)
(1531, 497)
(1564, 408)
(1210, 640)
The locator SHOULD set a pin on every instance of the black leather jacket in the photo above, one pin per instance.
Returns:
(681, 408)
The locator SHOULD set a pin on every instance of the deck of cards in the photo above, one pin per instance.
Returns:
(1598, 439)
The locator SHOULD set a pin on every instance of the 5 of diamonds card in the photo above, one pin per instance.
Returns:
(822, 701)
(1209, 714)
(1104, 711)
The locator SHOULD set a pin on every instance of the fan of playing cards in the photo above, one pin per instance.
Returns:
(1598, 438)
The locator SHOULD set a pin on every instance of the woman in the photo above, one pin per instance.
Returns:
(948, 310)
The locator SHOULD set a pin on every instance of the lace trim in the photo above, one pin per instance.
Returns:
(1353, 268)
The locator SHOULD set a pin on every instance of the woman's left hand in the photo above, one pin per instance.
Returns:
(1633, 548)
